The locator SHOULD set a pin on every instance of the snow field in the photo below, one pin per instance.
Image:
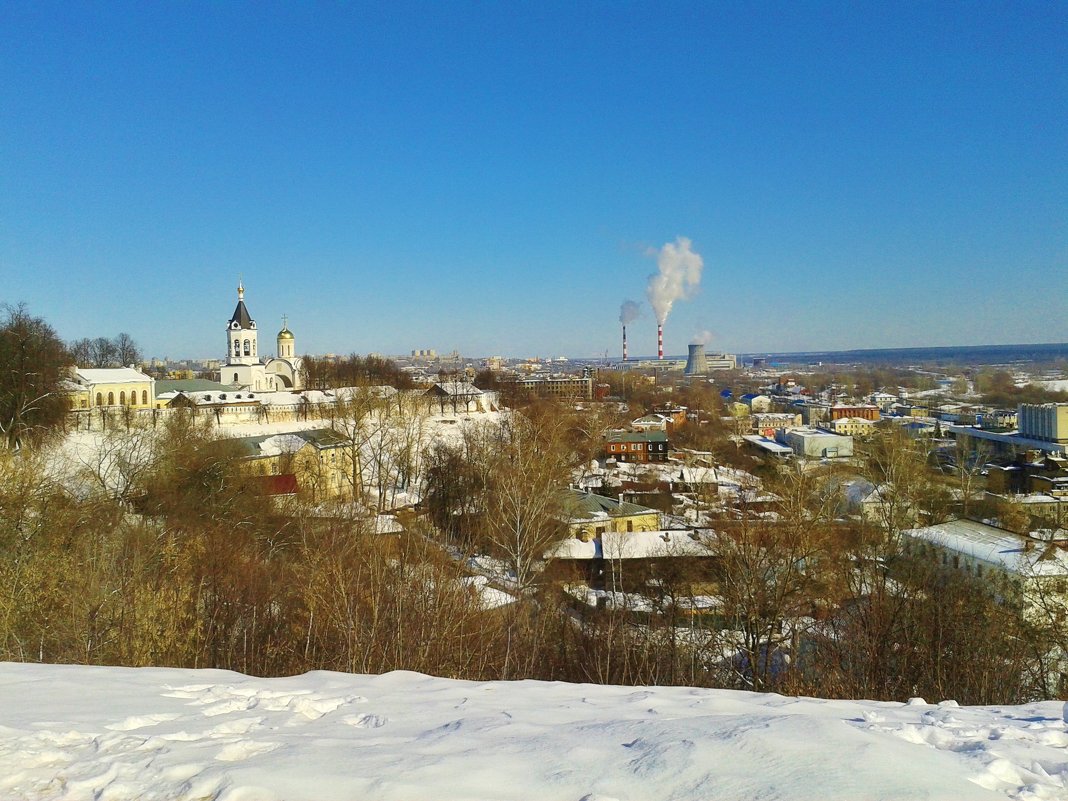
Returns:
(73, 732)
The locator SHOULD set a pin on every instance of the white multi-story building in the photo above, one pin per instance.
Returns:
(1044, 421)
(1032, 569)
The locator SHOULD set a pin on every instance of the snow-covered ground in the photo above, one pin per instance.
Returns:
(1059, 385)
(69, 732)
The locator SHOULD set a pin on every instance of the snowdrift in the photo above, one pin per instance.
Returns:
(71, 732)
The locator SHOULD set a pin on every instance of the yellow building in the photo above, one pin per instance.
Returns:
(113, 386)
(589, 515)
(852, 426)
(317, 463)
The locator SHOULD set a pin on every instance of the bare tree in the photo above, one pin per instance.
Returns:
(527, 463)
(32, 365)
(773, 573)
(102, 352)
(81, 352)
(354, 418)
(127, 353)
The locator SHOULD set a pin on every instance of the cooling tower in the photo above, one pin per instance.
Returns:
(696, 364)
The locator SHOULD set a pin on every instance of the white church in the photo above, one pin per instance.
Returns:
(244, 368)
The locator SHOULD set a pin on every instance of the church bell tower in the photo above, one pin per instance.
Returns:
(241, 334)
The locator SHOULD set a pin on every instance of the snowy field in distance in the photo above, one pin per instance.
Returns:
(71, 732)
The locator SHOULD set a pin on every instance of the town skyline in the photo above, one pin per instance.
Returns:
(499, 181)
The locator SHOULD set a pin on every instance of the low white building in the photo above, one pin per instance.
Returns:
(817, 444)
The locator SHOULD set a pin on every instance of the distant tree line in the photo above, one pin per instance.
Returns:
(353, 370)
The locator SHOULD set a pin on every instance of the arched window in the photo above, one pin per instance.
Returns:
(235, 378)
(253, 347)
(248, 348)
(122, 399)
(111, 399)
(144, 397)
(237, 347)
(99, 399)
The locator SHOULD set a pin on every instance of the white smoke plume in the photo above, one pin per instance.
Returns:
(702, 338)
(629, 311)
(677, 278)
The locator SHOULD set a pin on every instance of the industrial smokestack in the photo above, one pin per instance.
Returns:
(624, 343)
(660, 340)
(696, 363)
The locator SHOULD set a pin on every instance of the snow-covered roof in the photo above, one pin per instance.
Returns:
(651, 419)
(457, 388)
(631, 545)
(580, 506)
(1015, 553)
(766, 444)
(110, 375)
(488, 597)
(698, 475)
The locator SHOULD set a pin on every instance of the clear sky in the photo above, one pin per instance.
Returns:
(492, 176)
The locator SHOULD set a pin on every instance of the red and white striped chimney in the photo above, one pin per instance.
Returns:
(624, 343)
(659, 341)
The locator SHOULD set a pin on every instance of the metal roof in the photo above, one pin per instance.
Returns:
(580, 505)
(241, 316)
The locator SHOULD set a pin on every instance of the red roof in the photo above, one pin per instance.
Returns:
(278, 485)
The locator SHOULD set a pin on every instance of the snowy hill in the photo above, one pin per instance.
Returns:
(69, 732)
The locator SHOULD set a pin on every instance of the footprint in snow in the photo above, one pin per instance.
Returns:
(365, 721)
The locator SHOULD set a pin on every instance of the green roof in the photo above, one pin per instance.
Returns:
(637, 436)
(190, 385)
(317, 437)
(580, 505)
(322, 437)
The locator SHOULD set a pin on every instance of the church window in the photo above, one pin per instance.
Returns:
(248, 348)
(237, 347)
(122, 399)
(111, 399)
(235, 378)
(253, 347)
(144, 397)
(99, 399)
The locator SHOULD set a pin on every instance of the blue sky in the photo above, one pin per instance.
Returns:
(492, 176)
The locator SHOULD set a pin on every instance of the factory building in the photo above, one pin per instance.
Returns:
(818, 444)
(1043, 421)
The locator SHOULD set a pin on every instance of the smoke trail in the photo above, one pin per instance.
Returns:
(629, 311)
(679, 273)
(702, 338)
